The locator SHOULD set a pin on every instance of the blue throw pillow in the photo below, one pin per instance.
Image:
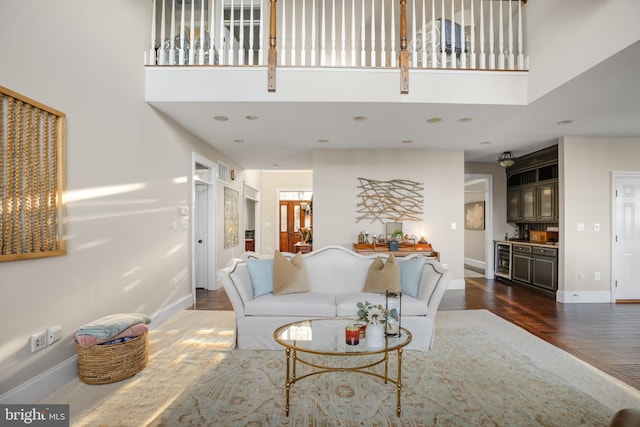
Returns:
(261, 273)
(410, 275)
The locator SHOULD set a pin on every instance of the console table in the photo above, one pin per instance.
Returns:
(404, 249)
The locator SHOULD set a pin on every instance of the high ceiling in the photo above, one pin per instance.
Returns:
(604, 101)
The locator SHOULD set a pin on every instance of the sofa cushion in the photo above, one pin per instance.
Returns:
(289, 276)
(410, 275)
(306, 304)
(383, 276)
(261, 273)
(346, 304)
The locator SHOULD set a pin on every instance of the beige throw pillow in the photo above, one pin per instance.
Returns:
(289, 276)
(383, 276)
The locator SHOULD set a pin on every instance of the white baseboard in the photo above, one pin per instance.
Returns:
(42, 385)
(456, 284)
(477, 263)
(568, 297)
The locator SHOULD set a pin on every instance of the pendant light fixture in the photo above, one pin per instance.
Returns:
(506, 159)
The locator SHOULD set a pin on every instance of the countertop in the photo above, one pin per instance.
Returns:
(522, 242)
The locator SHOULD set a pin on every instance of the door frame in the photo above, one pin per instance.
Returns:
(210, 239)
(614, 181)
(277, 209)
(489, 269)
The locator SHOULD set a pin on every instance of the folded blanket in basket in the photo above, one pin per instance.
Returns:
(112, 325)
(132, 331)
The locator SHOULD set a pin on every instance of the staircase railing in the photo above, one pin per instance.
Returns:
(409, 34)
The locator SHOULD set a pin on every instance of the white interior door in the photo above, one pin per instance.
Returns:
(626, 246)
(201, 241)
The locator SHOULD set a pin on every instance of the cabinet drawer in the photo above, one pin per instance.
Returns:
(522, 248)
(544, 251)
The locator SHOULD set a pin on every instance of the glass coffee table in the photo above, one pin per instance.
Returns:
(327, 337)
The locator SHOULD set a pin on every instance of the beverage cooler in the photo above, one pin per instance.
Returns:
(503, 260)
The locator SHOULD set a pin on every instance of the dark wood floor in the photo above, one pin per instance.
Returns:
(605, 335)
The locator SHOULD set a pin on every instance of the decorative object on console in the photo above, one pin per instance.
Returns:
(507, 159)
(393, 306)
(398, 199)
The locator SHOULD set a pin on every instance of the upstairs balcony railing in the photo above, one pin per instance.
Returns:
(428, 34)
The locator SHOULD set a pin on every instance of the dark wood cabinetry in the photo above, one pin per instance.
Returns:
(532, 188)
(536, 266)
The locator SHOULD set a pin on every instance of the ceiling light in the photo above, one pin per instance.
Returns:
(434, 120)
(465, 120)
(323, 141)
(507, 159)
(407, 141)
(359, 118)
(564, 122)
(251, 117)
(484, 142)
(239, 141)
(221, 118)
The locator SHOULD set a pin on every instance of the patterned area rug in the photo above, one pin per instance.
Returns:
(483, 371)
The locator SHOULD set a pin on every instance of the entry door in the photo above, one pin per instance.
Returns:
(626, 250)
(292, 218)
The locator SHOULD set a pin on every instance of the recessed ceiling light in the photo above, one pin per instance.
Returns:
(221, 118)
(275, 165)
(407, 141)
(434, 120)
(251, 117)
(239, 141)
(465, 120)
(323, 141)
(359, 118)
(484, 143)
(564, 122)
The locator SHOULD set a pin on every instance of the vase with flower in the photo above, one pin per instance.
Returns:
(375, 316)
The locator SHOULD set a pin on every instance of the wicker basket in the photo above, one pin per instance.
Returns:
(105, 364)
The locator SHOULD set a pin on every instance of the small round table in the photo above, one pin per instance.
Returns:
(327, 337)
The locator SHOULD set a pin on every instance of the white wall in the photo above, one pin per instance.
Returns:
(122, 254)
(335, 181)
(565, 38)
(586, 165)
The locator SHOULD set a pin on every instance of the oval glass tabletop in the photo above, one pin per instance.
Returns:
(328, 336)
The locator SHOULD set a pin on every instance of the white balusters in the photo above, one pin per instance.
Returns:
(314, 39)
(162, 53)
(333, 31)
(323, 38)
(394, 54)
(363, 51)
(472, 38)
(353, 33)
(373, 35)
(520, 51)
(383, 41)
(240, 34)
(212, 19)
(414, 33)
(501, 41)
(303, 31)
(192, 35)
(293, 32)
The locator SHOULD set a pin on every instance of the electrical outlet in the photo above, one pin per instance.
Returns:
(38, 341)
(445, 266)
(54, 333)
(596, 275)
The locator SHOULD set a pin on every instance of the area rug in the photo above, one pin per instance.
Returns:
(483, 371)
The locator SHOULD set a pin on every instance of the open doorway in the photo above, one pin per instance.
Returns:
(478, 241)
(203, 226)
(295, 219)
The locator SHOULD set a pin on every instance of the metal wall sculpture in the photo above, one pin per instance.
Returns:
(384, 201)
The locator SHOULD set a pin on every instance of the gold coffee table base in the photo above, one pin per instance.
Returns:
(297, 339)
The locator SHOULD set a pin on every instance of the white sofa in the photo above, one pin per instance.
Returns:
(336, 278)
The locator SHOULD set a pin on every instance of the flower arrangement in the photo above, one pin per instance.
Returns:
(374, 314)
(305, 234)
